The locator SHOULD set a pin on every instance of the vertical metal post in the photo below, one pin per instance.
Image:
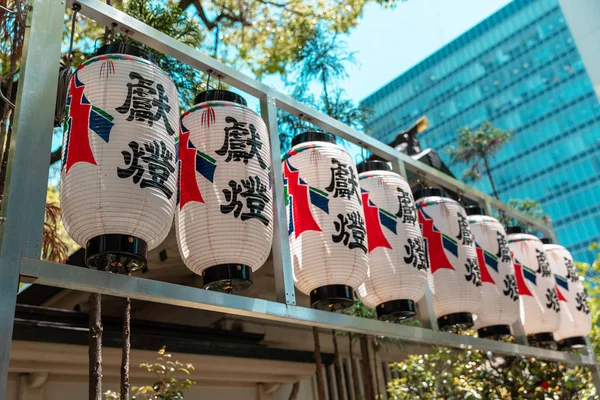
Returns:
(399, 168)
(426, 311)
(282, 260)
(425, 305)
(595, 370)
(27, 176)
(517, 328)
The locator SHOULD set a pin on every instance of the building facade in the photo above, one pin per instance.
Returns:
(521, 69)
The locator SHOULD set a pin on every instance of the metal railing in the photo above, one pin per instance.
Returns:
(23, 208)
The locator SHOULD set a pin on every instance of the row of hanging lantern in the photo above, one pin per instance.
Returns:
(127, 171)
(124, 153)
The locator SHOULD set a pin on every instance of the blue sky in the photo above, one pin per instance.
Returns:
(388, 42)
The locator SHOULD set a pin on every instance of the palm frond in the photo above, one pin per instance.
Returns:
(53, 248)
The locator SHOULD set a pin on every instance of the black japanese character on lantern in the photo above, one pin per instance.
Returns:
(343, 181)
(141, 100)
(510, 287)
(503, 253)
(581, 300)
(406, 209)
(415, 253)
(552, 302)
(464, 232)
(543, 265)
(156, 158)
(254, 196)
(473, 273)
(351, 226)
(571, 270)
(241, 143)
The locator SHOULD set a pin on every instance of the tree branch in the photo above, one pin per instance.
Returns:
(284, 6)
(210, 25)
(55, 155)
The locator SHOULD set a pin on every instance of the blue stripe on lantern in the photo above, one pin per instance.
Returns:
(318, 200)
(562, 282)
(205, 167)
(388, 222)
(491, 260)
(450, 245)
(530, 276)
(100, 124)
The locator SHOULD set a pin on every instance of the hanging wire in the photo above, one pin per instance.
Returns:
(64, 75)
(209, 72)
(2, 79)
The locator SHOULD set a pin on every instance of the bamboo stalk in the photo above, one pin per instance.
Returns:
(337, 365)
(319, 363)
(95, 349)
(355, 382)
(366, 368)
(126, 349)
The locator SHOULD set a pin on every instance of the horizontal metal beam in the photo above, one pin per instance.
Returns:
(71, 277)
(149, 36)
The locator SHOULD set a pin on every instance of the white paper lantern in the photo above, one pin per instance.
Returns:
(499, 293)
(537, 289)
(119, 172)
(575, 316)
(397, 266)
(454, 276)
(327, 229)
(225, 215)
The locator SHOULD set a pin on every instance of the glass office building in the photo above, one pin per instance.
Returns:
(520, 69)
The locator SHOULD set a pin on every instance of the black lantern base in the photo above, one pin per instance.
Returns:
(227, 278)
(332, 297)
(494, 331)
(219, 95)
(575, 342)
(543, 337)
(396, 310)
(121, 254)
(462, 320)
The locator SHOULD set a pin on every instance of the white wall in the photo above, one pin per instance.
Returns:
(583, 18)
(61, 388)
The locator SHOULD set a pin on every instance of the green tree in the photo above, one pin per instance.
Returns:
(529, 207)
(478, 147)
(319, 67)
(267, 35)
(591, 280)
(168, 384)
(471, 374)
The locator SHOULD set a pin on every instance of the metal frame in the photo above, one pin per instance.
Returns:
(27, 178)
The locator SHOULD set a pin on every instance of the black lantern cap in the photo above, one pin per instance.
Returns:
(474, 210)
(463, 320)
(576, 342)
(428, 192)
(396, 310)
(373, 165)
(313, 136)
(125, 48)
(219, 95)
(546, 240)
(494, 331)
(513, 229)
(228, 278)
(332, 297)
(121, 254)
(543, 337)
